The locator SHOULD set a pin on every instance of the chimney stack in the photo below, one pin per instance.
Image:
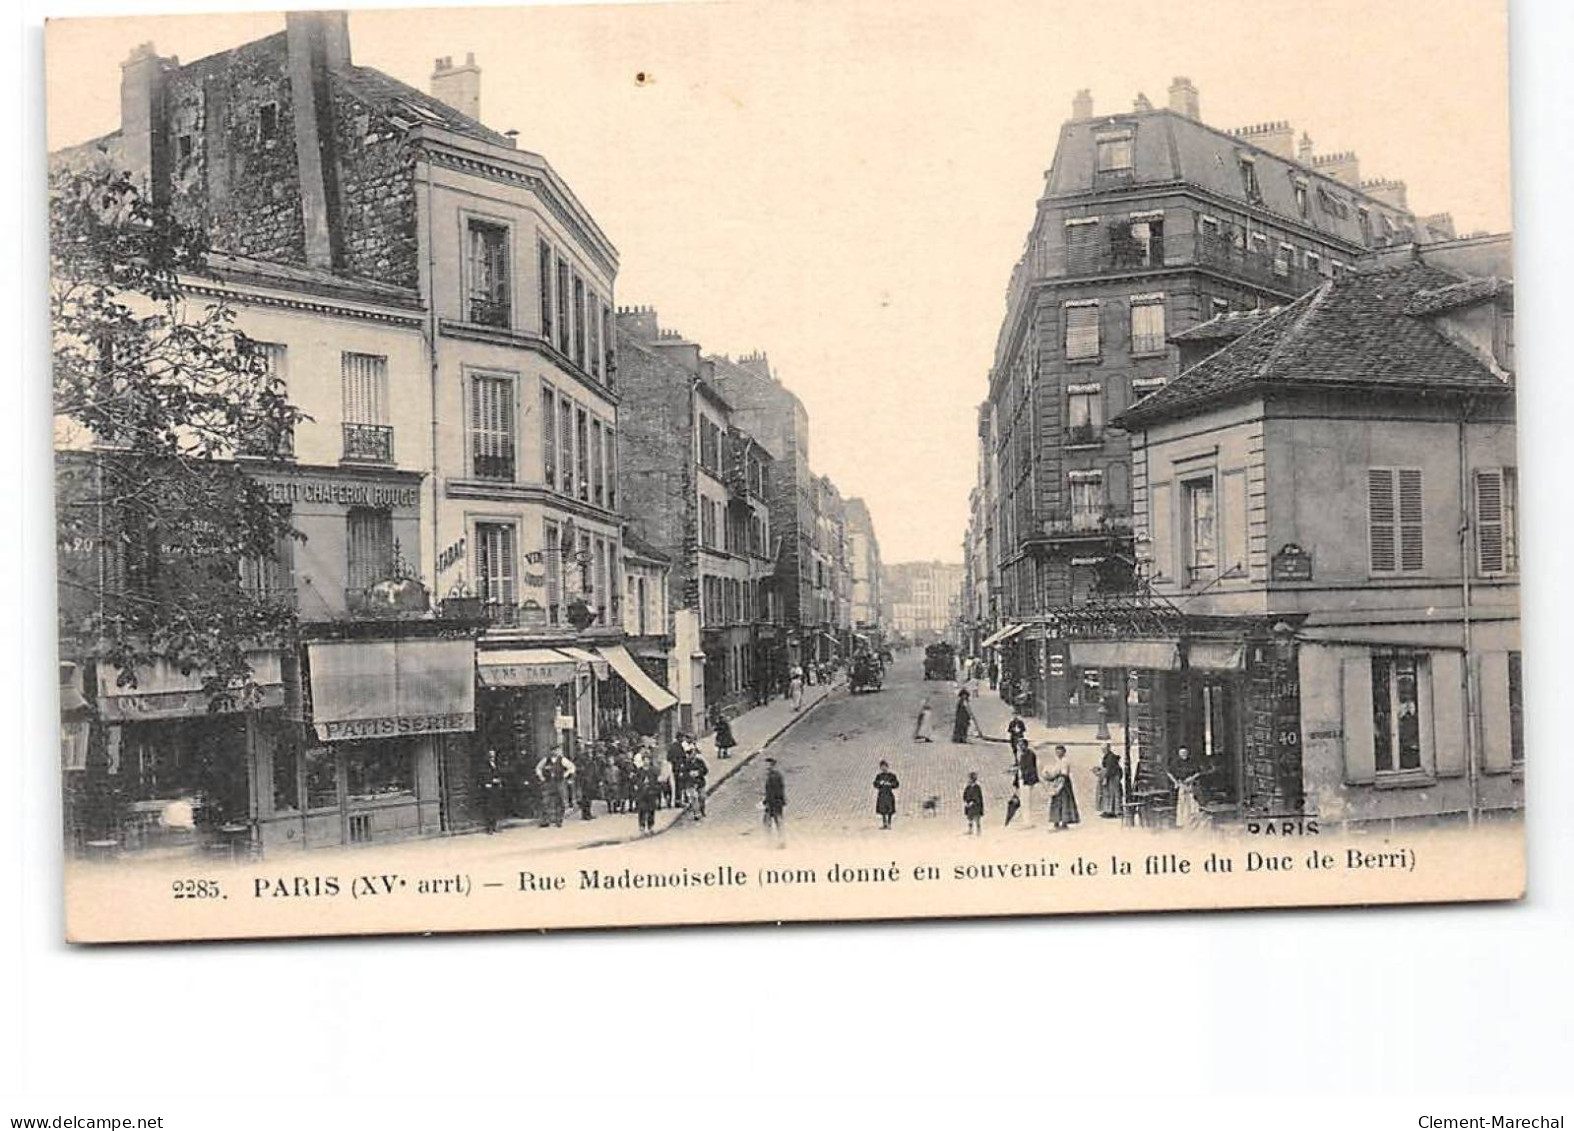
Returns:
(1342, 167)
(1082, 106)
(317, 44)
(1440, 225)
(1184, 98)
(142, 120)
(459, 87)
(1389, 192)
(1276, 137)
(1303, 152)
(1141, 105)
(639, 322)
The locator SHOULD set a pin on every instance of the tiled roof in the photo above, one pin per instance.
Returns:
(634, 544)
(391, 96)
(1464, 293)
(1354, 332)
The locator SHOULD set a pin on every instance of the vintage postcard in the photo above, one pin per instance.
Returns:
(703, 463)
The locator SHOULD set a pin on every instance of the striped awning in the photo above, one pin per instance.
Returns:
(1150, 655)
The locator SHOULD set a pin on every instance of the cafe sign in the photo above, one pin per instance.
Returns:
(340, 491)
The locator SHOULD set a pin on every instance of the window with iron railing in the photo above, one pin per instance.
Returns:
(494, 573)
(367, 433)
(1147, 327)
(489, 291)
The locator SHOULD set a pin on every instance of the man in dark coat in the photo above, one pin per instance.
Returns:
(491, 792)
(775, 802)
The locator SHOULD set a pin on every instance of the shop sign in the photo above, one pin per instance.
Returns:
(406, 726)
(339, 492)
(563, 722)
(528, 675)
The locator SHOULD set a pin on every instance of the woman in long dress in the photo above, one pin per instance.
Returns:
(1062, 796)
(1111, 788)
(1188, 808)
(964, 717)
(885, 787)
(924, 730)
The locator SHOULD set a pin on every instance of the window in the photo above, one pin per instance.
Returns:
(1503, 338)
(1201, 544)
(597, 490)
(593, 349)
(1249, 184)
(554, 564)
(565, 445)
(544, 268)
(613, 579)
(1087, 499)
(1220, 306)
(489, 290)
(562, 306)
(1138, 242)
(582, 451)
(1396, 711)
(1314, 263)
(1363, 219)
(549, 436)
(492, 427)
(1516, 711)
(271, 359)
(1283, 259)
(1082, 250)
(579, 321)
(586, 576)
(601, 578)
(183, 148)
(494, 567)
(1082, 331)
(1497, 517)
(611, 455)
(707, 524)
(1394, 520)
(322, 777)
(1115, 152)
(1303, 201)
(710, 445)
(1147, 326)
(378, 771)
(369, 547)
(1084, 413)
(608, 346)
(268, 121)
(364, 383)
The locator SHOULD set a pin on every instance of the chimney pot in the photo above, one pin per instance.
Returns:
(459, 87)
(1304, 151)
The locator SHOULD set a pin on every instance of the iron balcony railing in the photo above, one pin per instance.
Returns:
(1083, 522)
(498, 466)
(369, 443)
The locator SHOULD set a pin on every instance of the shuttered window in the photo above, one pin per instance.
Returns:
(597, 469)
(562, 306)
(369, 546)
(549, 436)
(554, 563)
(495, 563)
(579, 321)
(492, 427)
(1394, 521)
(544, 269)
(1082, 331)
(1147, 327)
(582, 451)
(489, 290)
(611, 458)
(1497, 549)
(1082, 248)
(601, 578)
(364, 378)
(565, 445)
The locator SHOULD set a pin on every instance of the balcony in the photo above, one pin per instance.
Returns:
(1255, 267)
(483, 310)
(261, 443)
(498, 467)
(368, 443)
(1071, 523)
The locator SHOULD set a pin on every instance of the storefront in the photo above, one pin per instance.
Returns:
(646, 705)
(380, 731)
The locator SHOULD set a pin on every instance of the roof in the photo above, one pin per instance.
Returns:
(391, 96)
(1467, 292)
(635, 546)
(1355, 332)
(1225, 327)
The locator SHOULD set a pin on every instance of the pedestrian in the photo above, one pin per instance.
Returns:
(672, 772)
(1062, 797)
(695, 770)
(1111, 787)
(1027, 779)
(795, 687)
(923, 732)
(587, 784)
(973, 804)
(491, 792)
(724, 739)
(775, 803)
(647, 799)
(885, 787)
(964, 717)
(1188, 806)
(1016, 731)
(554, 772)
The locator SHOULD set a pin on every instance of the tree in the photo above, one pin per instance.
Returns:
(158, 527)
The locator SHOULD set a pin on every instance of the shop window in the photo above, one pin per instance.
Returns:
(322, 778)
(286, 777)
(1394, 520)
(1201, 536)
(1082, 331)
(1396, 713)
(369, 546)
(381, 771)
(492, 427)
(489, 299)
(1497, 506)
(1147, 326)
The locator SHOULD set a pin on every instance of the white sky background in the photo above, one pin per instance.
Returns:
(847, 186)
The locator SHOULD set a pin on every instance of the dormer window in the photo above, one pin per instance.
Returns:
(1303, 199)
(1249, 184)
(1115, 152)
(1363, 219)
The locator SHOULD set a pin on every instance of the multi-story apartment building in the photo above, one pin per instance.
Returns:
(1326, 512)
(863, 565)
(1151, 221)
(440, 303)
(697, 487)
(923, 598)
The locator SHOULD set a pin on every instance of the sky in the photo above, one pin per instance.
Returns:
(846, 186)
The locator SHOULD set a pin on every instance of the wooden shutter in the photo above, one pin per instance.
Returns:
(1360, 760)
(545, 255)
(1232, 532)
(549, 436)
(1082, 331)
(1448, 713)
(364, 380)
(492, 426)
(1381, 519)
(565, 447)
(1411, 553)
(1497, 747)
(1161, 538)
(1082, 248)
(1489, 521)
(496, 567)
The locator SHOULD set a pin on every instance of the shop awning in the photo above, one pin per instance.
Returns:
(1150, 655)
(1001, 635)
(580, 656)
(163, 692)
(1217, 655)
(391, 688)
(659, 698)
(525, 667)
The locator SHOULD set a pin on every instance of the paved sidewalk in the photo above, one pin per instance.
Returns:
(993, 714)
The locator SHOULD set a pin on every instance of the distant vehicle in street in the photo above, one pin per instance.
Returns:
(940, 661)
(867, 674)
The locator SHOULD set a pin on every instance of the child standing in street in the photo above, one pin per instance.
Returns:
(885, 787)
(973, 804)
